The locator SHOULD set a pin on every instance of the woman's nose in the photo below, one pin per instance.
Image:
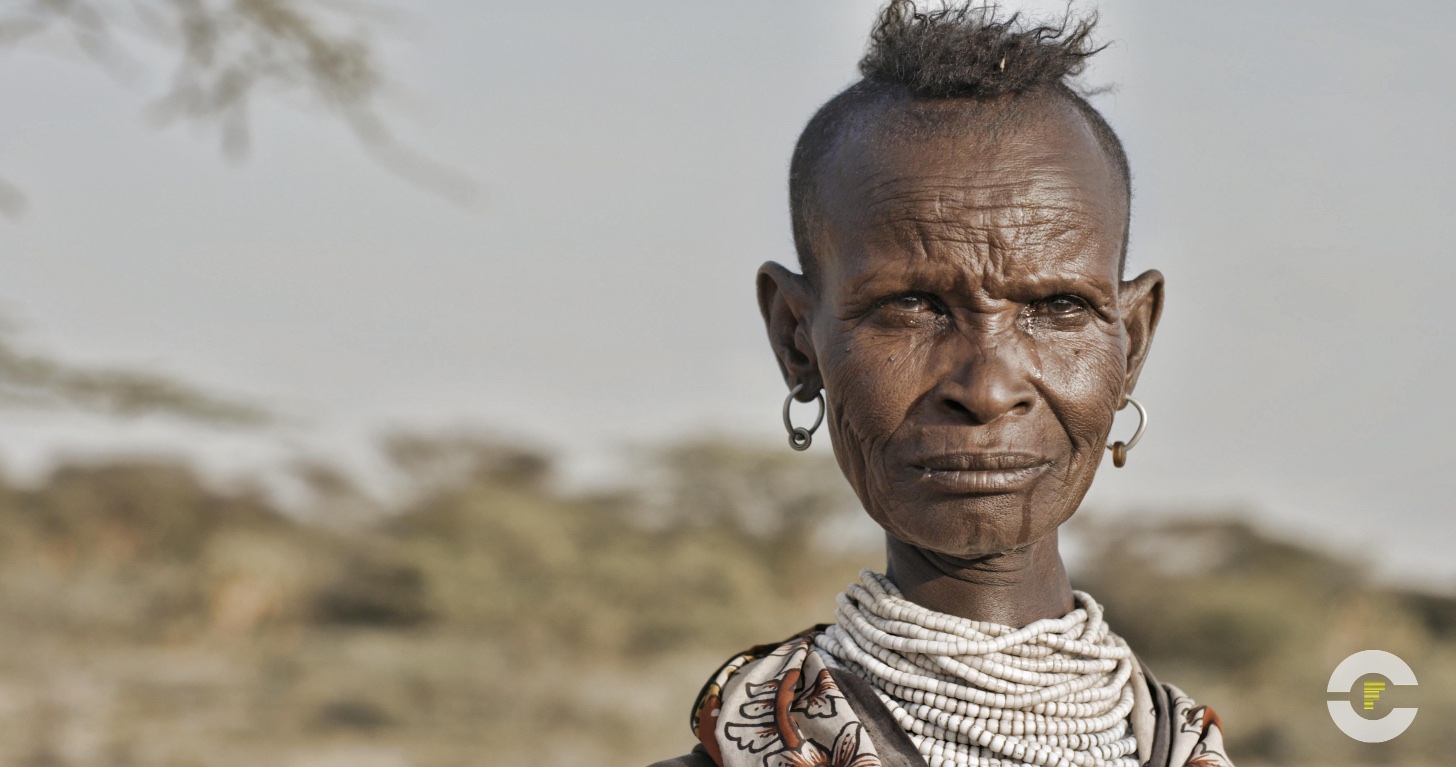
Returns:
(988, 382)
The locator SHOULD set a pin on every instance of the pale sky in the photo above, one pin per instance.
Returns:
(1292, 162)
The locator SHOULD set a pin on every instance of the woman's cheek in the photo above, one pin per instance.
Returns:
(875, 388)
(870, 384)
(1083, 383)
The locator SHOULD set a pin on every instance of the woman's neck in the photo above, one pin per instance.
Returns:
(1013, 588)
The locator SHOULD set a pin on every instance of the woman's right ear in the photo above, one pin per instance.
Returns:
(786, 300)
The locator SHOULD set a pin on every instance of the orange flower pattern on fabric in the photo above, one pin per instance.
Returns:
(780, 709)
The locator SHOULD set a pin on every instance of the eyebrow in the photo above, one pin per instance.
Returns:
(936, 277)
(1054, 284)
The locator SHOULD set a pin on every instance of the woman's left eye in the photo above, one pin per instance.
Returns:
(1062, 305)
(910, 303)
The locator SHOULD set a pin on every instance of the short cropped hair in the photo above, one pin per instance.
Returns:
(958, 51)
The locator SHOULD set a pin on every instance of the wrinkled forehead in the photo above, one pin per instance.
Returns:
(1014, 184)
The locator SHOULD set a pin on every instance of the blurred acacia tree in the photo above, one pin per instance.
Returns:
(317, 54)
(32, 380)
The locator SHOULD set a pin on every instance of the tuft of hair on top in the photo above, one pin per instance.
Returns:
(959, 50)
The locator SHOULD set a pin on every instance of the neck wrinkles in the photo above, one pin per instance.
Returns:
(1013, 588)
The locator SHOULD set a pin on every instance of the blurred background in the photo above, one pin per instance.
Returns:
(381, 383)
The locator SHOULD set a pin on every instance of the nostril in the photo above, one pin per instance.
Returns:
(986, 409)
(958, 407)
(985, 387)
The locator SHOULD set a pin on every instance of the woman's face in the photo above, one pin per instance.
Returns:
(970, 327)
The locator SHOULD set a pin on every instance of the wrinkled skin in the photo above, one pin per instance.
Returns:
(974, 338)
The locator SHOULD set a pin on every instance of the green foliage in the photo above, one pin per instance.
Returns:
(555, 574)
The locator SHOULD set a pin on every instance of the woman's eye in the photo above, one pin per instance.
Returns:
(1062, 305)
(910, 304)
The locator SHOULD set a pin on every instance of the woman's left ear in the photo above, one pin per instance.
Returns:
(1141, 300)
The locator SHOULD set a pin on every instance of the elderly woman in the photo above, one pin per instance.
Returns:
(961, 218)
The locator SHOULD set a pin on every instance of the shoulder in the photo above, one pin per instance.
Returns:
(1173, 730)
(706, 707)
(1197, 732)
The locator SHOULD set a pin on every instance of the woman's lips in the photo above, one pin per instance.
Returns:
(979, 473)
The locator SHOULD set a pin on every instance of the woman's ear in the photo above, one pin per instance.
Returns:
(1142, 304)
(786, 300)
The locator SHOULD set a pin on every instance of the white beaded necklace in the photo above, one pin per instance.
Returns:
(1056, 692)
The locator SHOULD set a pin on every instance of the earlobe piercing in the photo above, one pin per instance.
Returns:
(799, 437)
(1119, 449)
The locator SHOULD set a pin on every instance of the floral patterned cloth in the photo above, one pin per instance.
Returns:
(780, 706)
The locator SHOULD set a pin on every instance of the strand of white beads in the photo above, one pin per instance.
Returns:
(1055, 693)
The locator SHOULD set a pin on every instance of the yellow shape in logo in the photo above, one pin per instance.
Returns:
(1372, 694)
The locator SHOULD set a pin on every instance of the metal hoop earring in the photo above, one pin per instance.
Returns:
(799, 437)
(1119, 449)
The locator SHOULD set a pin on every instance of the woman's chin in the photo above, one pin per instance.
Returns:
(969, 526)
